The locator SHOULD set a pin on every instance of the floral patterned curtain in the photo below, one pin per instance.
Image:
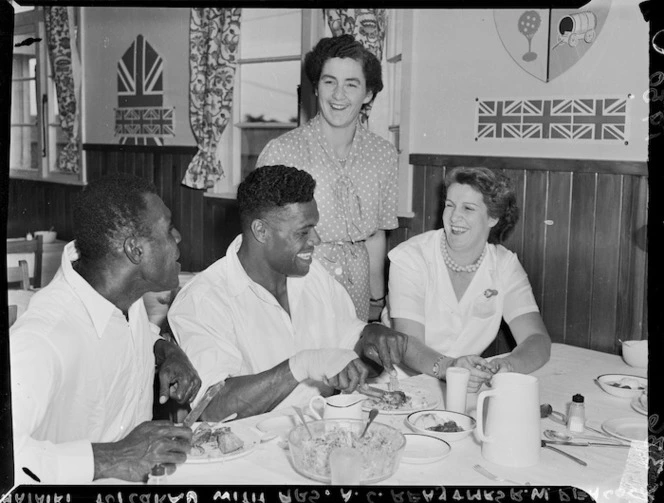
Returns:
(66, 67)
(367, 26)
(214, 34)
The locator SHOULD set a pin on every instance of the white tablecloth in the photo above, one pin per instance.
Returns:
(612, 474)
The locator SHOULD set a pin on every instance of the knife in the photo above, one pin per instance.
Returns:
(583, 443)
(195, 413)
(371, 391)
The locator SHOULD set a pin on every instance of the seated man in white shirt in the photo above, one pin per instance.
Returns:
(83, 355)
(268, 317)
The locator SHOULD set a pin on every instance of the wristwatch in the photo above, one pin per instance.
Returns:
(437, 367)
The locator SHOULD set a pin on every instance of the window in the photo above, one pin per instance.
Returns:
(393, 55)
(36, 135)
(269, 82)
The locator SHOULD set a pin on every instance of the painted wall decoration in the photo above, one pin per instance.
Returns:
(140, 118)
(547, 42)
(567, 119)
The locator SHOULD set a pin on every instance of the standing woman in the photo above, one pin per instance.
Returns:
(355, 170)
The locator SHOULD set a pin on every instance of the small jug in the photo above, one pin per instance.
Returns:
(338, 406)
(510, 433)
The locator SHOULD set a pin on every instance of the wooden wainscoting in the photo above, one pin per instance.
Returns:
(207, 224)
(581, 238)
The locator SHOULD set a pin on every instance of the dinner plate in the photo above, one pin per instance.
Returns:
(627, 428)
(421, 449)
(636, 405)
(420, 399)
(250, 439)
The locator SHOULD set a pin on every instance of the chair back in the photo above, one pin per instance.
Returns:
(19, 274)
(23, 246)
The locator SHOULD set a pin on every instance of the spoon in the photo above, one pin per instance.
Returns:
(563, 437)
(372, 415)
(560, 451)
(299, 413)
(557, 417)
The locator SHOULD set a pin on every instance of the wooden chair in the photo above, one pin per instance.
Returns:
(19, 274)
(13, 314)
(34, 246)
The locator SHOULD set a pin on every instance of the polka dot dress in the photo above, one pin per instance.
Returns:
(355, 198)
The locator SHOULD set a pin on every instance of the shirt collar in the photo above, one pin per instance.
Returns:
(99, 309)
(239, 280)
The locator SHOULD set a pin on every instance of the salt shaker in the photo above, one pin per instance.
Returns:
(157, 475)
(576, 418)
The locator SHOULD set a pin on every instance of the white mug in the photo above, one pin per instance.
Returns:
(337, 406)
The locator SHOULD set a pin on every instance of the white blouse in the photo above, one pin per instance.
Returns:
(420, 289)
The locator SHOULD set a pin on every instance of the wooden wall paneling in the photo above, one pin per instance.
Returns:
(608, 228)
(631, 307)
(419, 184)
(515, 241)
(581, 253)
(555, 267)
(433, 203)
(533, 215)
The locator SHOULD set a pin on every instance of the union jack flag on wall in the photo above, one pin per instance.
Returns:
(598, 119)
(140, 118)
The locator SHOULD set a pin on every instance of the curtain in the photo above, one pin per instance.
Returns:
(214, 34)
(367, 26)
(66, 67)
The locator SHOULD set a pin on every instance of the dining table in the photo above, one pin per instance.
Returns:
(612, 474)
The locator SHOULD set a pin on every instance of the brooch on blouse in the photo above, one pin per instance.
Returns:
(490, 292)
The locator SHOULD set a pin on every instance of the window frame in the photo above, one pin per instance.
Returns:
(31, 23)
(230, 145)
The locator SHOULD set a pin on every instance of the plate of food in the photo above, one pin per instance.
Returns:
(409, 399)
(627, 428)
(621, 385)
(215, 442)
(444, 424)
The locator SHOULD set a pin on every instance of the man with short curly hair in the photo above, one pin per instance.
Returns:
(83, 355)
(267, 317)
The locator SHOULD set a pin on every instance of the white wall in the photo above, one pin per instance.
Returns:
(458, 56)
(107, 32)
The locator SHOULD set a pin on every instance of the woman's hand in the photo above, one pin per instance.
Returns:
(480, 370)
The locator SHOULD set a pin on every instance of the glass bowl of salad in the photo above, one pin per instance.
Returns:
(381, 448)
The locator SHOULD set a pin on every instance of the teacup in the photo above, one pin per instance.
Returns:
(337, 406)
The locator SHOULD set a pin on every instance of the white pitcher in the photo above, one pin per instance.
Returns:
(510, 429)
(343, 406)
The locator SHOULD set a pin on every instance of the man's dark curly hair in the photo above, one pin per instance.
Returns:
(343, 46)
(108, 209)
(498, 195)
(271, 187)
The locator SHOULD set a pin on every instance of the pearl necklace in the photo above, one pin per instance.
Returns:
(452, 265)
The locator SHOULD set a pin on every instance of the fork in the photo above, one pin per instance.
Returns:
(488, 474)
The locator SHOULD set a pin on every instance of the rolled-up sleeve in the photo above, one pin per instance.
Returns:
(519, 298)
(206, 334)
(407, 284)
(35, 373)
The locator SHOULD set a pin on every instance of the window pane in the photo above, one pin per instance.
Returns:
(24, 141)
(281, 27)
(268, 92)
(253, 141)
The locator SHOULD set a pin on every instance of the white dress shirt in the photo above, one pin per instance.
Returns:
(81, 373)
(230, 325)
(421, 290)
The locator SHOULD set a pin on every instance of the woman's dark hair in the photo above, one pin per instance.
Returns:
(108, 209)
(343, 46)
(271, 187)
(498, 195)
